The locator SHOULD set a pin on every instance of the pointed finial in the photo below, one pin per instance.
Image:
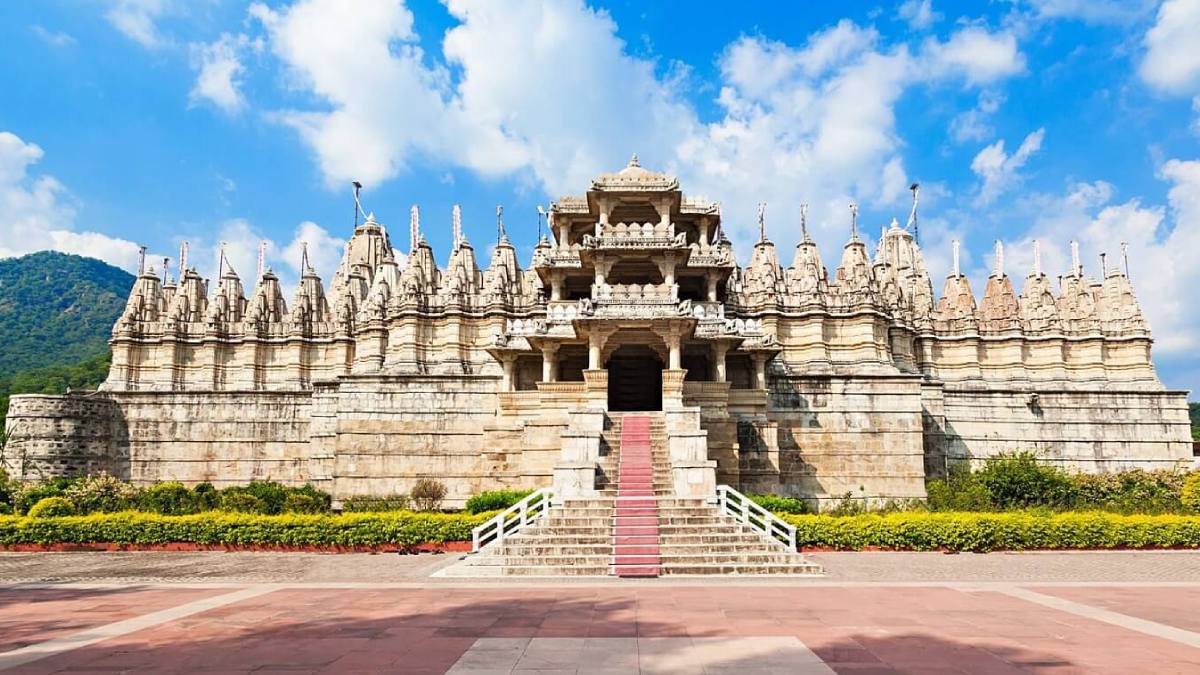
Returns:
(305, 268)
(456, 225)
(262, 257)
(999, 271)
(762, 222)
(1103, 266)
(804, 221)
(183, 256)
(166, 277)
(1037, 258)
(853, 221)
(633, 160)
(912, 216)
(501, 233)
(414, 226)
(141, 260)
(1125, 257)
(357, 204)
(1076, 266)
(895, 224)
(541, 213)
(221, 261)
(954, 256)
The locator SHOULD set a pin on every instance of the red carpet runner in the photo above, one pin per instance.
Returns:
(635, 528)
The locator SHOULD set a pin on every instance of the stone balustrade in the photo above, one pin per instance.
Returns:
(651, 294)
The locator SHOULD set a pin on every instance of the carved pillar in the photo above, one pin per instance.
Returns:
(508, 381)
(564, 236)
(718, 356)
(673, 345)
(601, 267)
(595, 344)
(556, 285)
(550, 363)
(602, 223)
(663, 206)
(711, 279)
(760, 371)
(703, 234)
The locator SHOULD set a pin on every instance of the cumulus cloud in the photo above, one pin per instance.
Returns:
(38, 213)
(136, 19)
(1000, 171)
(1172, 61)
(972, 125)
(220, 69)
(975, 53)
(918, 14)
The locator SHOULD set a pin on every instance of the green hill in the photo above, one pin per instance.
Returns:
(56, 315)
(57, 309)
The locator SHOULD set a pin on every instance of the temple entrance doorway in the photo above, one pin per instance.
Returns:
(634, 379)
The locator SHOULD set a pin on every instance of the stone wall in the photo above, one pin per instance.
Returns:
(1094, 430)
(63, 436)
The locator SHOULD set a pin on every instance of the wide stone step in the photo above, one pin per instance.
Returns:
(795, 569)
(556, 571)
(593, 561)
(742, 557)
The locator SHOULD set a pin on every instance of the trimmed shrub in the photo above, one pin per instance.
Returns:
(375, 504)
(916, 531)
(495, 500)
(52, 507)
(242, 502)
(779, 504)
(171, 498)
(271, 494)
(1018, 480)
(427, 494)
(206, 496)
(1133, 491)
(5, 509)
(28, 494)
(323, 499)
(101, 493)
(301, 502)
(1189, 493)
(221, 528)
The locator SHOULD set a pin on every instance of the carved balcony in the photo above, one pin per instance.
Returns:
(636, 236)
(557, 258)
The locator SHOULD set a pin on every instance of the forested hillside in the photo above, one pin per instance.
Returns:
(56, 315)
(57, 309)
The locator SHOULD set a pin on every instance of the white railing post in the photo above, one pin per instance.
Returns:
(738, 505)
(496, 529)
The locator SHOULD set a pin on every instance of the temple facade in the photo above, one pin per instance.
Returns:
(772, 377)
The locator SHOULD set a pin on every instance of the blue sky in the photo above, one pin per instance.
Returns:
(126, 122)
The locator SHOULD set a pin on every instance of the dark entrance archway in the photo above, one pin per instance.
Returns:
(634, 379)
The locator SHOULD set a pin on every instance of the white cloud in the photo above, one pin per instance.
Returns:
(976, 54)
(1092, 11)
(1000, 171)
(52, 38)
(918, 14)
(972, 125)
(1172, 61)
(220, 69)
(136, 20)
(546, 93)
(37, 212)
(324, 250)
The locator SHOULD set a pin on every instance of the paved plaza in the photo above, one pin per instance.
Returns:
(1115, 612)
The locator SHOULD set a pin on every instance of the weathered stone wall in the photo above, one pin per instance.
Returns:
(1093, 430)
(63, 436)
(835, 435)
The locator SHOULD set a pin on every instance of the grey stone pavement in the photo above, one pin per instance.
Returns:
(872, 567)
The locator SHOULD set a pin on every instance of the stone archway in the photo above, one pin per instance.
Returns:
(634, 378)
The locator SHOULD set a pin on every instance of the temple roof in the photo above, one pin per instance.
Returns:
(635, 178)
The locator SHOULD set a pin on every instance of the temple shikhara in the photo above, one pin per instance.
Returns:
(779, 376)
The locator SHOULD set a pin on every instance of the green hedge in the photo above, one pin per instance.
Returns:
(220, 528)
(916, 531)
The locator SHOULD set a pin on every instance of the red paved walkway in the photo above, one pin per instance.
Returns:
(854, 629)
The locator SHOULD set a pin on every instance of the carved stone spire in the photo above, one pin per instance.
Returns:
(1037, 258)
(414, 226)
(998, 270)
(804, 222)
(456, 225)
(954, 271)
(762, 222)
(853, 221)
(1076, 266)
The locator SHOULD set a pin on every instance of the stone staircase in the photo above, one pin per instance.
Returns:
(634, 526)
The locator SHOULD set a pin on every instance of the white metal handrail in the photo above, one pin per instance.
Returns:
(741, 507)
(510, 521)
